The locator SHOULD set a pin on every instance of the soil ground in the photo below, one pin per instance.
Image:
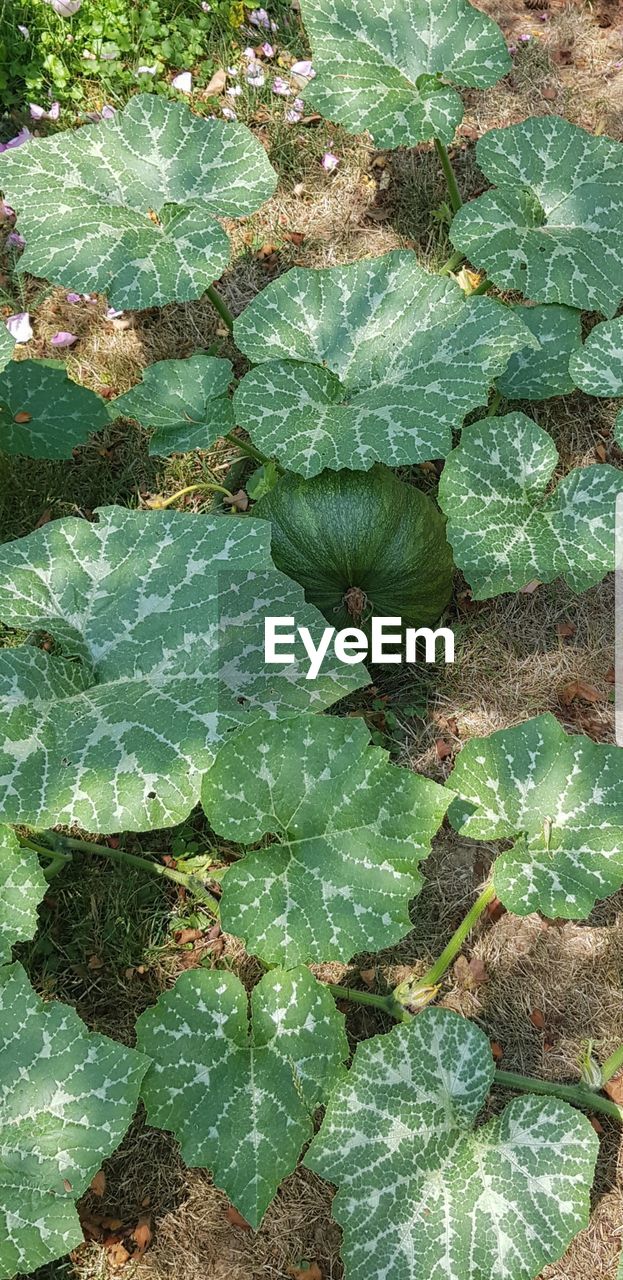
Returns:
(108, 942)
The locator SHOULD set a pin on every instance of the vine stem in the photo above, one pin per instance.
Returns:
(245, 446)
(577, 1094)
(495, 404)
(407, 992)
(154, 868)
(160, 504)
(450, 176)
(386, 1004)
(612, 1065)
(451, 265)
(220, 305)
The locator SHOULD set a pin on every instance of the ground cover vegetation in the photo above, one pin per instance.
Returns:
(237, 903)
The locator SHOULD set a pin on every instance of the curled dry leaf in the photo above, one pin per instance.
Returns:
(236, 1219)
(537, 1019)
(580, 691)
(98, 1184)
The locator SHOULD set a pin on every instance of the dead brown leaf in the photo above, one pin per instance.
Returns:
(98, 1184)
(368, 976)
(238, 502)
(443, 749)
(497, 1050)
(142, 1236)
(565, 630)
(312, 1272)
(537, 1018)
(184, 936)
(579, 690)
(217, 84)
(236, 1219)
(614, 1088)
(22, 417)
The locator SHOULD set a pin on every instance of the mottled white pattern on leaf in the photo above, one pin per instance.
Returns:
(562, 796)
(7, 344)
(84, 200)
(61, 414)
(536, 374)
(240, 1099)
(158, 622)
(506, 529)
(183, 402)
(422, 1195)
(379, 64)
(552, 226)
(22, 888)
(352, 830)
(375, 361)
(67, 1097)
(598, 367)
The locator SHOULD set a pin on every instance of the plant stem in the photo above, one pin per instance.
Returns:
(386, 1004)
(160, 504)
(192, 883)
(221, 306)
(452, 263)
(495, 404)
(421, 991)
(245, 446)
(450, 176)
(577, 1094)
(483, 287)
(612, 1065)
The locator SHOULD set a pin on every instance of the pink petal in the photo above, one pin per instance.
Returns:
(36, 112)
(281, 88)
(6, 210)
(55, 111)
(19, 326)
(267, 50)
(65, 8)
(304, 69)
(329, 162)
(108, 113)
(183, 82)
(74, 297)
(16, 240)
(111, 314)
(63, 339)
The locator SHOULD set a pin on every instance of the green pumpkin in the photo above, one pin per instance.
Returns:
(361, 543)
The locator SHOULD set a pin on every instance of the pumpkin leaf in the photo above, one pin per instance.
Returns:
(598, 367)
(544, 372)
(67, 1098)
(43, 414)
(362, 544)
(504, 530)
(6, 346)
(184, 403)
(553, 224)
(377, 360)
(129, 206)
(158, 622)
(22, 887)
(561, 796)
(416, 1181)
(379, 68)
(240, 1098)
(352, 829)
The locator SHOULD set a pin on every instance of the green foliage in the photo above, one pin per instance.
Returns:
(66, 1100)
(43, 414)
(145, 232)
(240, 1098)
(386, 68)
(537, 374)
(598, 367)
(361, 544)
(6, 346)
(183, 402)
(351, 831)
(153, 666)
(557, 203)
(22, 887)
(419, 1185)
(560, 797)
(506, 529)
(375, 361)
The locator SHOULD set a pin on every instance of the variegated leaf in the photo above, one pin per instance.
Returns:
(66, 1099)
(553, 224)
(504, 527)
(129, 206)
(377, 360)
(22, 888)
(352, 829)
(183, 402)
(598, 367)
(544, 372)
(388, 67)
(158, 622)
(422, 1193)
(560, 796)
(6, 346)
(240, 1098)
(43, 414)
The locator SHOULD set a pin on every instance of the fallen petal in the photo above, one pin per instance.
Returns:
(111, 314)
(303, 68)
(65, 8)
(63, 339)
(183, 82)
(19, 326)
(329, 162)
(73, 297)
(281, 88)
(16, 240)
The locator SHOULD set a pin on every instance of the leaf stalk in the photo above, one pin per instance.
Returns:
(579, 1095)
(612, 1065)
(161, 504)
(220, 305)
(449, 175)
(415, 994)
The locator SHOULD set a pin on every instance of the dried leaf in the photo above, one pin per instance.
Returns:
(142, 1236)
(22, 417)
(236, 1219)
(497, 1050)
(578, 690)
(98, 1185)
(565, 630)
(478, 972)
(537, 1019)
(182, 936)
(311, 1272)
(614, 1088)
(443, 749)
(217, 84)
(238, 502)
(368, 976)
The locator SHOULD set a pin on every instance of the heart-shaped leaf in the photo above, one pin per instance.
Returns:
(561, 795)
(128, 207)
(240, 1099)
(43, 414)
(377, 360)
(6, 346)
(598, 367)
(22, 888)
(352, 829)
(505, 529)
(380, 67)
(553, 225)
(539, 374)
(419, 1185)
(66, 1100)
(158, 619)
(183, 402)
